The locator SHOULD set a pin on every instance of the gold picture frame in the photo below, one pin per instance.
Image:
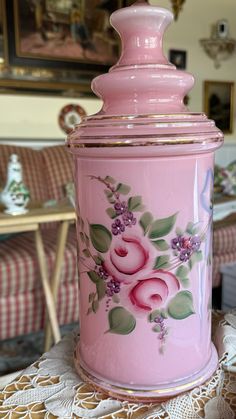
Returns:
(219, 104)
(29, 62)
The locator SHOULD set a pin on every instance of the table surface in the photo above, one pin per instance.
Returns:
(39, 215)
(51, 388)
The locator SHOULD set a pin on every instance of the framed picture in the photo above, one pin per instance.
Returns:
(59, 43)
(178, 58)
(219, 103)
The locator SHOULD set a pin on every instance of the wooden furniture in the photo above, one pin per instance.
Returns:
(31, 221)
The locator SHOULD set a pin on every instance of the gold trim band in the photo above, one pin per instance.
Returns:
(138, 143)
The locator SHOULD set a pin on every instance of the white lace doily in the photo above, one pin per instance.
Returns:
(51, 388)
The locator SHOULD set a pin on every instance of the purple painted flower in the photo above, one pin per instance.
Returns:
(195, 243)
(117, 227)
(102, 273)
(113, 287)
(185, 246)
(177, 243)
(185, 255)
(129, 219)
(120, 207)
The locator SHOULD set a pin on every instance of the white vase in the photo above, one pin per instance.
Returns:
(15, 196)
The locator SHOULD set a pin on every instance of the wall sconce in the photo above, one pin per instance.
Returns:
(176, 7)
(219, 46)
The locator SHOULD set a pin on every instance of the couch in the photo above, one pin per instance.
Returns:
(224, 248)
(22, 309)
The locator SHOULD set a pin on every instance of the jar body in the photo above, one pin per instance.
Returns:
(144, 233)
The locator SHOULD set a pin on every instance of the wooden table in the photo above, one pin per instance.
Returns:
(31, 221)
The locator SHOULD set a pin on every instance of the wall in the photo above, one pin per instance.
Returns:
(28, 117)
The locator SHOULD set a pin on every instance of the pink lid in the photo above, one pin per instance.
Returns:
(143, 93)
(143, 81)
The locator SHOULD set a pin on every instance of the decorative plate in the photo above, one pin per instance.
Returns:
(70, 115)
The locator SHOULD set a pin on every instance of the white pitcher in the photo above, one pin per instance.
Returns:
(15, 196)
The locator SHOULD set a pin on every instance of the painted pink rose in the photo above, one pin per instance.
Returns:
(127, 257)
(152, 292)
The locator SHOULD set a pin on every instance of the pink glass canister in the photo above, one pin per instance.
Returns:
(144, 184)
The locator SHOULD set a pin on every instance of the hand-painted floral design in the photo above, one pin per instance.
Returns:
(126, 257)
(152, 292)
(139, 265)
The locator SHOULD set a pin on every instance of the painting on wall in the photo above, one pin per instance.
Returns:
(178, 58)
(69, 41)
(219, 103)
(77, 30)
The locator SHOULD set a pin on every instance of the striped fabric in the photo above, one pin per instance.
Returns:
(25, 312)
(58, 164)
(19, 265)
(224, 240)
(224, 250)
(218, 261)
(20, 283)
(22, 308)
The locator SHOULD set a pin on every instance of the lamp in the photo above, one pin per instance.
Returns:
(176, 7)
(219, 46)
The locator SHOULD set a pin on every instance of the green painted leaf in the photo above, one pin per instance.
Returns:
(98, 259)
(156, 328)
(100, 237)
(185, 282)
(111, 212)
(110, 179)
(162, 262)
(123, 189)
(196, 257)
(86, 253)
(164, 314)
(182, 272)
(145, 221)
(181, 306)
(179, 231)
(121, 321)
(82, 236)
(193, 228)
(95, 306)
(115, 298)
(162, 227)
(161, 244)
(153, 315)
(135, 203)
(108, 193)
(94, 276)
(101, 289)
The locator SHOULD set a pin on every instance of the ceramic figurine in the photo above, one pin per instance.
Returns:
(144, 184)
(15, 196)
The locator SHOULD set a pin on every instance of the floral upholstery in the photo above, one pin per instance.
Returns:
(22, 308)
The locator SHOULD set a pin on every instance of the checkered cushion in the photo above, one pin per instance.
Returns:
(224, 250)
(45, 172)
(224, 240)
(25, 312)
(218, 261)
(58, 165)
(21, 297)
(33, 170)
(19, 270)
